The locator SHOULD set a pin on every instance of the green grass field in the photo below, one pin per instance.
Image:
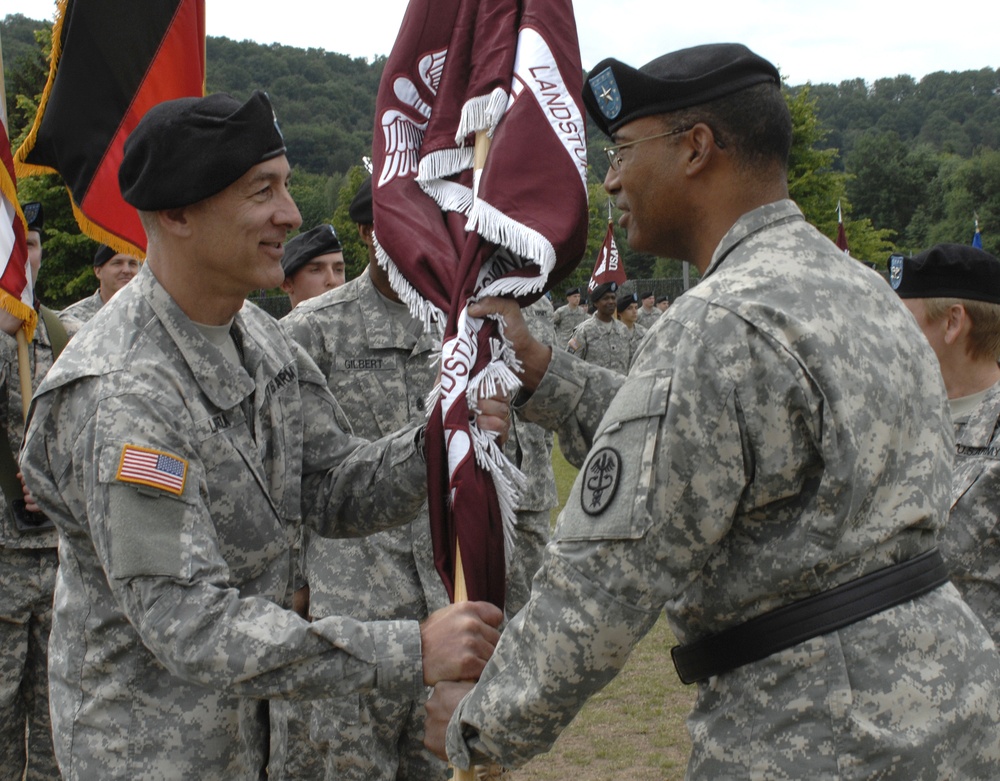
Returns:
(636, 725)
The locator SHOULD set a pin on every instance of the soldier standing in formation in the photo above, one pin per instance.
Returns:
(113, 270)
(953, 291)
(601, 339)
(568, 316)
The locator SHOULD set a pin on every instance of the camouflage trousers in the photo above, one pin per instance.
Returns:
(530, 537)
(352, 738)
(27, 580)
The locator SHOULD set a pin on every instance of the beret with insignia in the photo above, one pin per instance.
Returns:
(602, 290)
(947, 271)
(185, 150)
(321, 240)
(625, 301)
(573, 291)
(33, 215)
(616, 94)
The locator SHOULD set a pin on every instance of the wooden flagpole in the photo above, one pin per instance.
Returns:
(482, 148)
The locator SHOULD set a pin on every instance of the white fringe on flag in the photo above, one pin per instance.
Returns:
(449, 196)
(433, 319)
(497, 228)
(445, 163)
(482, 113)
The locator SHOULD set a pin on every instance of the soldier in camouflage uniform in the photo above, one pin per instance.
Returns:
(28, 561)
(176, 445)
(953, 291)
(766, 448)
(113, 270)
(568, 316)
(628, 315)
(380, 366)
(601, 339)
(647, 313)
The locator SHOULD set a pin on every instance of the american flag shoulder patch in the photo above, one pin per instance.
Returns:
(155, 468)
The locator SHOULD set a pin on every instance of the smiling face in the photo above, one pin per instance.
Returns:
(606, 306)
(239, 233)
(646, 187)
(115, 274)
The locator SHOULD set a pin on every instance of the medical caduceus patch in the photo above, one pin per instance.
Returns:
(600, 480)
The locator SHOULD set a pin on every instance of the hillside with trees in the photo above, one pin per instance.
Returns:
(912, 162)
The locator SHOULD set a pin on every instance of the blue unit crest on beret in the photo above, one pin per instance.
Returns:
(605, 88)
(895, 271)
(600, 480)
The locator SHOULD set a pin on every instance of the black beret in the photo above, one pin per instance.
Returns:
(602, 290)
(647, 294)
(185, 150)
(360, 209)
(625, 301)
(33, 215)
(103, 255)
(947, 271)
(616, 94)
(661, 299)
(573, 291)
(321, 240)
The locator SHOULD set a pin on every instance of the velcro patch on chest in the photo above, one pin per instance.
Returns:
(143, 466)
(601, 475)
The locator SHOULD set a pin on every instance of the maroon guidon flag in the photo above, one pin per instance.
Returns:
(112, 60)
(450, 231)
(608, 267)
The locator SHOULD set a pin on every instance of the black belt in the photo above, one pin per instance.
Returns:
(817, 615)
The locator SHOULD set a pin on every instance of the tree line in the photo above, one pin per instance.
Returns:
(911, 163)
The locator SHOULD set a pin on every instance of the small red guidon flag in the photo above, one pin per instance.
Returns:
(152, 467)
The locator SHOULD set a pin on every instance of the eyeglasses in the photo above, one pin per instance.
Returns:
(614, 152)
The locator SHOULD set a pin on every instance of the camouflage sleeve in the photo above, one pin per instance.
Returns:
(577, 344)
(160, 555)
(352, 487)
(571, 400)
(654, 498)
(304, 332)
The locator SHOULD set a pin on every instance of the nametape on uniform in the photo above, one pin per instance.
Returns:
(155, 468)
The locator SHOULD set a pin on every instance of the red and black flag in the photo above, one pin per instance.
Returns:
(112, 60)
(451, 228)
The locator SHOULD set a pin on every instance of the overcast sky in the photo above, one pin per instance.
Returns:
(808, 40)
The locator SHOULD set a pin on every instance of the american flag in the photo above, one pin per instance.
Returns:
(16, 294)
(153, 468)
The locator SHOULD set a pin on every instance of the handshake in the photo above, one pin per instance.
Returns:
(457, 641)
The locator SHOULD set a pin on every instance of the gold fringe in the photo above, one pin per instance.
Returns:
(20, 167)
(23, 169)
(26, 314)
(104, 236)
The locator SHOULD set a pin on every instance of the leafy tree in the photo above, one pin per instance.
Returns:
(970, 188)
(889, 179)
(355, 250)
(817, 188)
